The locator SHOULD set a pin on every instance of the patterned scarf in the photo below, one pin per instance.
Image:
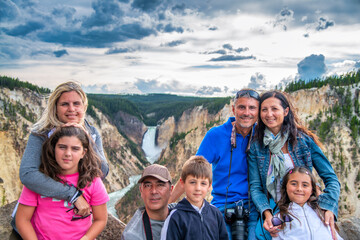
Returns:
(277, 168)
(233, 136)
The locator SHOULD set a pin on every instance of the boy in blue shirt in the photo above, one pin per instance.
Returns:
(193, 217)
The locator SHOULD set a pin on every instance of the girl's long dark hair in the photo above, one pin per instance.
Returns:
(89, 166)
(284, 201)
(291, 124)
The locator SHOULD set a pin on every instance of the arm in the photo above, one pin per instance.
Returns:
(257, 192)
(98, 147)
(35, 180)
(100, 216)
(329, 199)
(176, 192)
(23, 222)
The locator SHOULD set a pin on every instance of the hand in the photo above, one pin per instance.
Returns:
(82, 205)
(329, 220)
(72, 124)
(268, 226)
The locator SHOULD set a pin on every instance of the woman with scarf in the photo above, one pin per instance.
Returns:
(280, 144)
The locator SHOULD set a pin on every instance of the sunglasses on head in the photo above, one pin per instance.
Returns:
(276, 221)
(76, 217)
(251, 93)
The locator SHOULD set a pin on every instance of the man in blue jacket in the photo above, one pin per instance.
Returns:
(225, 147)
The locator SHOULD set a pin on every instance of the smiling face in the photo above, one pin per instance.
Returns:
(196, 189)
(272, 114)
(245, 110)
(68, 152)
(155, 194)
(299, 187)
(70, 108)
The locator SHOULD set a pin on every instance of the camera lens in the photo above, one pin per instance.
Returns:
(238, 230)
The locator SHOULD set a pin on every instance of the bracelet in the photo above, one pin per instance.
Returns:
(76, 196)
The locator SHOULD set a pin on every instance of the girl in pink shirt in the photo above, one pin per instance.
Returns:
(67, 157)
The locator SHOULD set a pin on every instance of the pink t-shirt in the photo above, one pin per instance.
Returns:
(50, 219)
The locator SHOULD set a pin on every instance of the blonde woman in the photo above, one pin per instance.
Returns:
(66, 106)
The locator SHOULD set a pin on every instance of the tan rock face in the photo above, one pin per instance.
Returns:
(122, 163)
(18, 107)
(310, 102)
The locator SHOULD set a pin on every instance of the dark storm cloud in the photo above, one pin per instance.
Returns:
(161, 16)
(60, 53)
(284, 18)
(323, 24)
(170, 28)
(175, 43)
(257, 81)
(24, 29)
(96, 38)
(227, 49)
(239, 50)
(9, 52)
(178, 8)
(8, 10)
(155, 86)
(345, 11)
(67, 12)
(311, 67)
(146, 5)
(231, 58)
(119, 50)
(208, 90)
(227, 46)
(106, 12)
(220, 51)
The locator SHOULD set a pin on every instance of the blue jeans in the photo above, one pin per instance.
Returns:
(251, 223)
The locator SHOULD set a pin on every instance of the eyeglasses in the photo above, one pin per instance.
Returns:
(251, 93)
(276, 221)
(159, 186)
(74, 217)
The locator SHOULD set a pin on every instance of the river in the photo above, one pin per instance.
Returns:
(152, 153)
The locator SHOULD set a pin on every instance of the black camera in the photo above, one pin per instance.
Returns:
(237, 217)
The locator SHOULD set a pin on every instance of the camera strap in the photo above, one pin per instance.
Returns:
(147, 226)
(233, 145)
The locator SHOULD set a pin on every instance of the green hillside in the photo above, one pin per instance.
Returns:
(152, 108)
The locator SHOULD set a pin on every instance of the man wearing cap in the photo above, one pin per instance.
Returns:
(225, 147)
(155, 188)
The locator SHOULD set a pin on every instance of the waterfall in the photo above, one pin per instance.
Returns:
(152, 153)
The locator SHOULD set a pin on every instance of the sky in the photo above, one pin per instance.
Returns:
(183, 47)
